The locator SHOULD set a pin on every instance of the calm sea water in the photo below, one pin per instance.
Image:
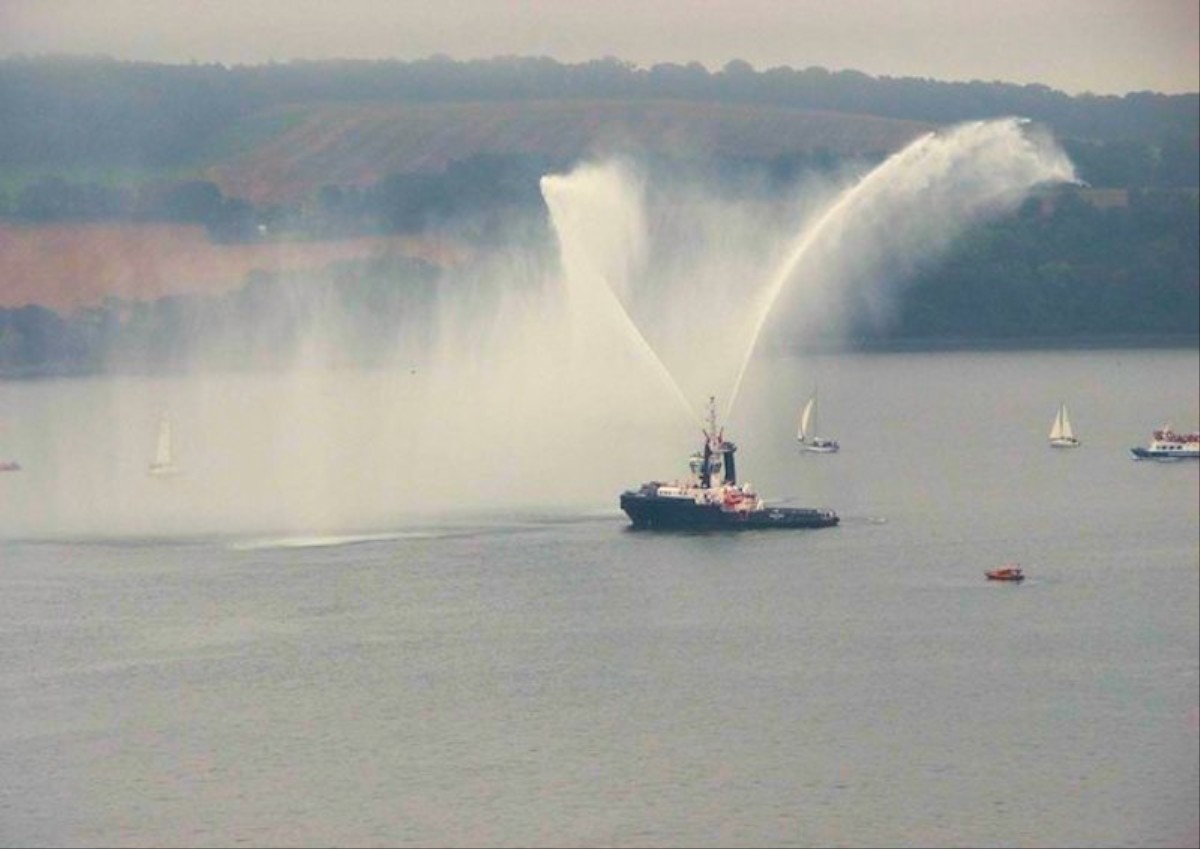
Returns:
(549, 677)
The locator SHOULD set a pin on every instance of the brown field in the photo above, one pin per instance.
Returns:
(70, 267)
(356, 145)
(67, 267)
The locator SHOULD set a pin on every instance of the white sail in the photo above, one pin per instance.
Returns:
(1065, 424)
(163, 465)
(1056, 429)
(162, 451)
(1061, 433)
(807, 435)
(806, 420)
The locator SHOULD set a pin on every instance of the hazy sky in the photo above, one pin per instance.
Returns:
(1102, 46)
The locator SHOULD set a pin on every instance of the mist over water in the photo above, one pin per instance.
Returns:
(549, 381)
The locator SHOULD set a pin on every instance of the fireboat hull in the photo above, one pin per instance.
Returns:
(654, 512)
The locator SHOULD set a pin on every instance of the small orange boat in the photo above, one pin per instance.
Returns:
(1006, 573)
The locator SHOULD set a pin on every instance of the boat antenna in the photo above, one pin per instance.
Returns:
(712, 433)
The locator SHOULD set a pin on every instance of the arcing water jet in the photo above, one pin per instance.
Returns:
(908, 210)
(597, 217)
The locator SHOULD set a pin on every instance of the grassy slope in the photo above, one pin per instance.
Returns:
(286, 154)
(358, 144)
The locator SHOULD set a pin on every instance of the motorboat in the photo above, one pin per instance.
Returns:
(1169, 445)
(1006, 573)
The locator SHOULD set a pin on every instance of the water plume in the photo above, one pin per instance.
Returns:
(553, 370)
(903, 213)
(597, 215)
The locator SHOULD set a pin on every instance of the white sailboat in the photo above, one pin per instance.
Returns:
(807, 433)
(163, 465)
(1061, 434)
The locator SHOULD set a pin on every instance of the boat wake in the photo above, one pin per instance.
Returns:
(327, 541)
(507, 524)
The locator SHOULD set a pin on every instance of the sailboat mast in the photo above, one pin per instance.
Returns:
(163, 452)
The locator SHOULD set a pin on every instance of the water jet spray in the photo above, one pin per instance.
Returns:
(913, 205)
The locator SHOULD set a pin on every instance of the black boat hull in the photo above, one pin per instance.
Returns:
(1148, 454)
(652, 511)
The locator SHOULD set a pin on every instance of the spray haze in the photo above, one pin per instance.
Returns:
(550, 373)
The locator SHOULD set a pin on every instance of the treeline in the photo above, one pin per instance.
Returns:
(398, 203)
(482, 187)
(68, 111)
(53, 199)
(476, 188)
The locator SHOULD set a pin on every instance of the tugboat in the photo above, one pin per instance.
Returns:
(1169, 445)
(712, 498)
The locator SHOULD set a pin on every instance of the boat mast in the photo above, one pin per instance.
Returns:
(711, 432)
(716, 445)
(711, 442)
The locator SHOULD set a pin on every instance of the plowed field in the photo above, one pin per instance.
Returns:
(356, 145)
(71, 267)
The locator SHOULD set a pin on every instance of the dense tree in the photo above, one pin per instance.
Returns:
(1071, 272)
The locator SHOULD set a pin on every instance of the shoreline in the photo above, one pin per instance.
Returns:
(895, 346)
(935, 344)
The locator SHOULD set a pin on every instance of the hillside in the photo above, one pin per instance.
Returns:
(72, 267)
(360, 144)
(285, 156)
(140, 201)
